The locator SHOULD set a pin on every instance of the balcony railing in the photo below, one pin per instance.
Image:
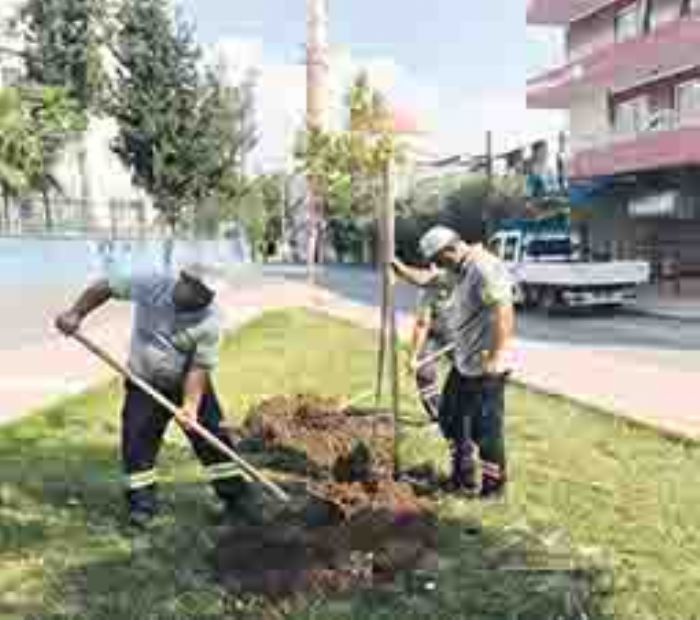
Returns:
(668, 140)
(662, 120)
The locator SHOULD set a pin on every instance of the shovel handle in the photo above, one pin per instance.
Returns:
(429, 359)
(195, 426)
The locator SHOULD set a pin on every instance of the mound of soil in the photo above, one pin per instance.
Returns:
(346, 445)
(365, 530)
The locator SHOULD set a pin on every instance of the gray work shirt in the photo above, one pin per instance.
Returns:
(484, 283)
(165, 343)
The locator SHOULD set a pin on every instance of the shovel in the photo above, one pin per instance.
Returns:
(175, 410)
(428, 359)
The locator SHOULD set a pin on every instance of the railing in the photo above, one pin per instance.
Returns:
(662, 120)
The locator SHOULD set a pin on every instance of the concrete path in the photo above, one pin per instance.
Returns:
(612, 380)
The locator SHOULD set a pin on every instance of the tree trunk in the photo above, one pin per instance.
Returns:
(6, 209)
(48, 217)
(383, 331)
(312, 242)
(392, 336)
(85, 190)
(168, 250)
(169, 241)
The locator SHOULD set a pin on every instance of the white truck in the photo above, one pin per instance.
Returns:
(549, 273)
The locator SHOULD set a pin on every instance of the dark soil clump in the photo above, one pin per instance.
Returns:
(352, 528)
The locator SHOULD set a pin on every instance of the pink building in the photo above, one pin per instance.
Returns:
(631, 85)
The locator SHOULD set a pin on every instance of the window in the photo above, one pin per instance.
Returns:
(495, 246)
(627, 24)
(688, 100)
(510, 250)
(550, 247)
(689, 7)
(631, 116)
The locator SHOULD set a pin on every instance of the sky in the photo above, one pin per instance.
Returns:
(459, 65)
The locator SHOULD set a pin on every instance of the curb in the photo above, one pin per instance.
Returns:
(663, 316)
(667, 432)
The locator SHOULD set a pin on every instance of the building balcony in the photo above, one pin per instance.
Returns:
(562, 12)
(671, 48)
(668, 140)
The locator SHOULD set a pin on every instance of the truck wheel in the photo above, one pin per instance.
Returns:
(547, 301)
(529, 297)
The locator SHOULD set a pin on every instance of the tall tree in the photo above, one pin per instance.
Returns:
(225, 132)
(156, 101)
(65, 39)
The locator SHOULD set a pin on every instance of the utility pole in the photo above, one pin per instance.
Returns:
(317, 68)
(489, 157)
(486, 216)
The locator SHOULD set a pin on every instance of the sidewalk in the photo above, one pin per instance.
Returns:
(664, 303)
(44, 372)
(618, 381)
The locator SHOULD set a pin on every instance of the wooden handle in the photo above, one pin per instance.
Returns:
(175, 410)
(428, 359)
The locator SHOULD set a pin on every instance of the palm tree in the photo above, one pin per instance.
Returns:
(19, 152)
(34, 126)
(54, 118)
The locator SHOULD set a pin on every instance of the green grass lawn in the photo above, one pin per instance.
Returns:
(602, 519)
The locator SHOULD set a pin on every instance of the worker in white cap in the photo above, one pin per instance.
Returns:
(175, 347)
(430, 331)
(481, 322)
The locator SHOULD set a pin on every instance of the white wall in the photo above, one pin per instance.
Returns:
(10, 41)
(107, 178)
(588, 118)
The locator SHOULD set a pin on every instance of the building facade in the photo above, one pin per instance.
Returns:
(631, 86)
(11, 48)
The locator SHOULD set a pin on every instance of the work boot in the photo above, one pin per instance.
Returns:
(494, 494)
(142, 507)
(462, 479)
(493, 483)
(141, 519)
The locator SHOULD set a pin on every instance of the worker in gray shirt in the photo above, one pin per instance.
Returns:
(482, 325)
(430, 329)
(175, 347)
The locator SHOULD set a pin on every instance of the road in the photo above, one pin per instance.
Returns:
(648, 340)
(27, 317)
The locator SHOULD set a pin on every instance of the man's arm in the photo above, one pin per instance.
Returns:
(92, 298)
(421, 328)
(504, 328)
(196, 383)
(413, 275)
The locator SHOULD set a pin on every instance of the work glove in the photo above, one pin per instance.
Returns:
(69, 322)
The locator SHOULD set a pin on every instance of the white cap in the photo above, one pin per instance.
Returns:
(437, 239)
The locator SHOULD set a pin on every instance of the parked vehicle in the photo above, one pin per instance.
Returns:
(549, 270)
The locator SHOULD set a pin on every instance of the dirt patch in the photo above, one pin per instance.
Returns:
(349, 526)
(345, 445)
